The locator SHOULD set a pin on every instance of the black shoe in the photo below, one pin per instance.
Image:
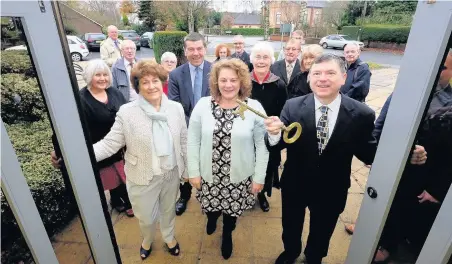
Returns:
(175, 251)
(226, 245)
(283, 259)
(145, 253)
(313, 261)
(263, 203)
(181, 206)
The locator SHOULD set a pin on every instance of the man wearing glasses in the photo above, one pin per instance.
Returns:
(240, 53)
(298, 35)
(288, 67)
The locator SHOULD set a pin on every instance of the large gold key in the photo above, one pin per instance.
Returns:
(241, 112)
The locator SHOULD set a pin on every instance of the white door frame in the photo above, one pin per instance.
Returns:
(49, 50)
(424, 53)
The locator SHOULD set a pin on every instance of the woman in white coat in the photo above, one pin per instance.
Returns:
(154, 132)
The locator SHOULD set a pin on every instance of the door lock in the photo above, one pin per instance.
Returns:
(372, 192)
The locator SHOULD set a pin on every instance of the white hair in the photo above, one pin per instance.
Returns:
(265, 47)
(94, 67)
(128, 42)
(168, 55)
(110, 27)
(353, 44)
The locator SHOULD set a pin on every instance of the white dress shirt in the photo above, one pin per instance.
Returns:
(133, 94)
(333, 111)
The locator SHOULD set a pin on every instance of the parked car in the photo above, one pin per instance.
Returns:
(131, 35)
(146, 39)
(77, 48)
(338, 41)
(93, 40)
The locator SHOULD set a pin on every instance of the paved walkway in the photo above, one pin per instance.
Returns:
(257, 238)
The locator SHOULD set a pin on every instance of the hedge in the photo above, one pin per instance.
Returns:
(248, 31)
(30, 133)
(383, 33)
(32, 143)
(17, 61)
(21, 99)
(172, 41)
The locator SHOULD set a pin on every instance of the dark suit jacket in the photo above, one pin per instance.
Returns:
(180, 87)
(279, 69)
(305, 171)
(357, 84)
(245, 57)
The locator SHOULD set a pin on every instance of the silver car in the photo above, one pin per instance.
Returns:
(338, 41)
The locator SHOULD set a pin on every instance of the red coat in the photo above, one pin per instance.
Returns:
(165, 87)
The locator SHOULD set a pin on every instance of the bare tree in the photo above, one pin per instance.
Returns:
(333, 12)
(227, 21)
(290, 12)
(191, 11)
(104, 10)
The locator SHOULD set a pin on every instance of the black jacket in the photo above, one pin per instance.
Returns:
(271, 94)
(299, 86)
(279, 68)
(358, 81)
(245, 57)
(305, 168)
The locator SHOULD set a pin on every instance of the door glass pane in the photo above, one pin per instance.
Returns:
(422, 188)
(25, 115)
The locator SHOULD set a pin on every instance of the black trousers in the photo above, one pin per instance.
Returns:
(324, 213)
(120, 197)
(185, 191)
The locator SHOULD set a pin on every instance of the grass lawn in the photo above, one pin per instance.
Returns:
(374, 66)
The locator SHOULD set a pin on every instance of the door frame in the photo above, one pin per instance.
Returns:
(418, 74)
(58, 84)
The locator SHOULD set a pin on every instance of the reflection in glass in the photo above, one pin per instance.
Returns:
(25, 116)
(422, 188)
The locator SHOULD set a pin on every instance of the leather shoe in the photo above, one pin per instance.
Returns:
(181, 206)
(263, 203)
(283, 259)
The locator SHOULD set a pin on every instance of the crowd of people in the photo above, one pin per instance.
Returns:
(160, 130)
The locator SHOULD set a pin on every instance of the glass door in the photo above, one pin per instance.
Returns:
(397, 195)
(38, 100)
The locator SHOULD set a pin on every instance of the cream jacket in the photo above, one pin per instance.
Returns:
(108, 51)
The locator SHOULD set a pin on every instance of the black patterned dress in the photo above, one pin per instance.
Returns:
(222, 195)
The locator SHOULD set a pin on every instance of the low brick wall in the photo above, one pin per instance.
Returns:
(312, 40)
(278, 38)
(385, 45)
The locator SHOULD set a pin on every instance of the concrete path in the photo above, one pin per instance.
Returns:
(257, 238)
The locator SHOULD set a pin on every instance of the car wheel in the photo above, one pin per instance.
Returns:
(325, 45)
(76, 56)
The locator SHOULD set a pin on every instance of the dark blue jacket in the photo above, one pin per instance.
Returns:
(381, 119)
(358, 81)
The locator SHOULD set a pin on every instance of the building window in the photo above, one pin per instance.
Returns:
(278, 18)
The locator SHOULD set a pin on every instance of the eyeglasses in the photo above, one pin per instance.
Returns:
(239, 43)
(170, 61)
(291, 49)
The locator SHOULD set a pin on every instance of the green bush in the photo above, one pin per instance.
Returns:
(17, 61)
(21, 99)
(386, 33)
(383, 33)
(172, 41)
(32, 143)
(248, 31)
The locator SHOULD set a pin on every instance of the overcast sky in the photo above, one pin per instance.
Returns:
(236, 5)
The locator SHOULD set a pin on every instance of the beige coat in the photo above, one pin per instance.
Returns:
(108, 51)
(133, 129)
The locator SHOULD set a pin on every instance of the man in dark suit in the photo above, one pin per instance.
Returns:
(187, 84)
(357, 84)
(289, 67)
(240, 53)
(335, 128)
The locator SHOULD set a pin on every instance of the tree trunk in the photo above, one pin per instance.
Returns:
(191, 22)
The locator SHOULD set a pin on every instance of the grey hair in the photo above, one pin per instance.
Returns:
(94, 67)
(353, 44)
(331, 57)
(237, 37)
(194, 36)
(128, 42)
(168, 55)
(111, 27)
(265, 47)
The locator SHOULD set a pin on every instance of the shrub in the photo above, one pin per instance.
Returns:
(248, 31)
(172, 41)
(21, 99)
(32, 143)
(17, 61)
(386, 33)
(383, 33)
